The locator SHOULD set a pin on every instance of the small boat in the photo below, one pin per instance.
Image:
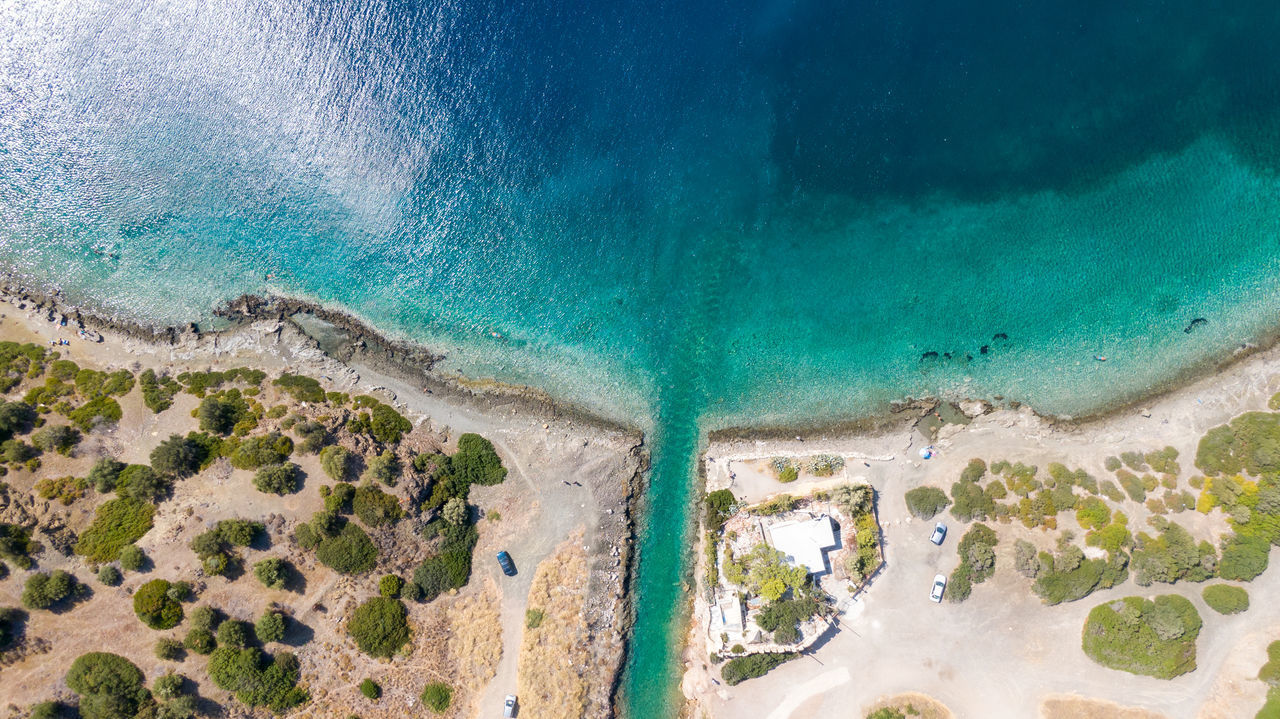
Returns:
(1100, 358)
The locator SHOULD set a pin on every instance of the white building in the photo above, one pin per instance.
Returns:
(804, 542)
(727, 618)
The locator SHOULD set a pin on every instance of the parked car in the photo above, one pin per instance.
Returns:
(939, 586)
(939, 533)
(509, 707)
(508, 566)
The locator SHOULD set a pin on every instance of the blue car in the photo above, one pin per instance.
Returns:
(508, 566)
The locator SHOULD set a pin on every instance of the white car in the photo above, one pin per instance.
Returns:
(939, 586)
(939, 533)
(509, 707)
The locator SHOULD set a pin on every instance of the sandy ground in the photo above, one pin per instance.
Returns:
(1001, 653)
(565, 476)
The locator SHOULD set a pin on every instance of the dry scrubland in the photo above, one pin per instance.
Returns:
(1125, 559)
(553, 654)
(244, 542)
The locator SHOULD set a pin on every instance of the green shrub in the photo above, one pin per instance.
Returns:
(313, 436)
(788, 473)
(375, 507)
(476, 462)
(887, 713)
(157, 392)
(49, 590)
(168, 649)
(450, 567)
(1132, 486)
(387, 425)
(180, 591)
(437, 696)
(1140, 636)
(720, 506)
(234, 633)
(1093, 513)
(262, 450)
(384, 467)
(176, 455)
(926, 502)
(336, 462)
(1226, 599)
(269, 627)
(455, 511)
(970, 502)
(370, 689)
(977, 553)
(110, 686)
(533, 618)
(350, 551)
(132, 558)
(1070, 576)
(109, 576)
(11, 623)
(15, 418)
(1243, 558)
(279, 479)
(58, 438)
(1174, 555)
(1247, 443)
(302, 389)
(390, 585)
(104, 474)
(154, 607)
(273, 572)
(199, 641)
(204, 617)
(1111, 491)
(168, 686)
(140, 482)
(256, 678)
(99, 410)
(379, 626)
(739, 669)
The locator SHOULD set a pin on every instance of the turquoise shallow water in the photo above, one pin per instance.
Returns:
(687, 216)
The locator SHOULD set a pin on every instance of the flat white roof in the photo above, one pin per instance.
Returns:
(804, 541)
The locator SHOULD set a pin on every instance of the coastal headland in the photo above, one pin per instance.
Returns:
(566, 498)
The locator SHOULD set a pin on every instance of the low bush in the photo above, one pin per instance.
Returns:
(739, 669)
(350, 551)
(789, 473)
(782, 616)
(110, 686)
(65, 489)
(437, 696)
(200, 641)
(273, 572)
(169, 649)
(235, 634)
(380, 626)
(269, 627)
(375, 507)
(533, 618)
(1243, 558)
(384, 467)
(926, 502)
(49, 590)
(157, 392)
(279, 479)
(455, 511)
(1245, 444)
(58, 438)
(132, 558)
(303, 389)
(313, 436)
(336, 462)
(109, 576)
(176, 455)
(155, 607)
(262, 450)
(450, 567)
(1140, 636)
(370, 689)
(99, 410)
(1172, 556)
(476, 461)
(142, 483)
(257, 678)
(970, 502)
(1070, 576)
(104, 473)
(390, 586)
(1226, 599)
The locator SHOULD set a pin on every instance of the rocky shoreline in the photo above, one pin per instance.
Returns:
(349, 356)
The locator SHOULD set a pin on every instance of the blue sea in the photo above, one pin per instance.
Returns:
(686, 216)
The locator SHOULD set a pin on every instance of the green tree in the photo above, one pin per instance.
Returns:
(46, 590)
(476, 461)
(455, 511)
(273, 572)
(132, 558)
(270, 627)
(176, 455)
(384, 467)
(336, 462)
(155, 607)
(379, 626)
(279, 479)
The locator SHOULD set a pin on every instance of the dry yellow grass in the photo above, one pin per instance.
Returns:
(553, 656)
(925, 707)
(1080, 708)
(476, 641)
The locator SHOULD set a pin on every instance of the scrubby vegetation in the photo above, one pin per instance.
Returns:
(782, 617)
(375, 507)
(1070, 576)
(380, 626)
(370, 689)
(764, 572)
(1226, 599)
(1141, 636)
(155, 607)
(279, 479)
(117, 523)
(926, 502)
(257, 678)
(273, 572)
(336, 462)
(110, 686)
(1172, 556)
(739, 669)
(977, 562)
(720, 507)
(51, 590)
(216, 547)
(437, 696)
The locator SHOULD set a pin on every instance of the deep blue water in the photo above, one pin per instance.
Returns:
(687, 215)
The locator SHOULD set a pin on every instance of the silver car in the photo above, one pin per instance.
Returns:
(509, 707)
(939, 534)
(939, 586)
